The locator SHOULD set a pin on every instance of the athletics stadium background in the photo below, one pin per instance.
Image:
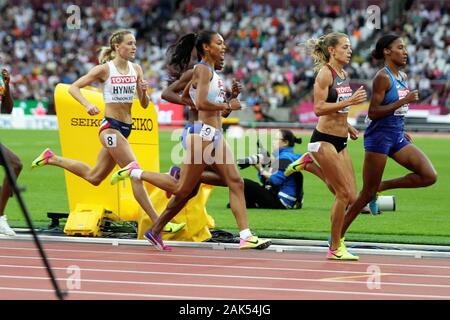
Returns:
(44, 44)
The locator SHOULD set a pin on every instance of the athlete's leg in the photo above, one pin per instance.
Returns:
(209, 176)
(160, 180)
(188, 184)
(317, 171)
(16, 164)
(412, 158)
(351, 180)
(104, 165)
(335, 169)
(123, 155)
(374, 164)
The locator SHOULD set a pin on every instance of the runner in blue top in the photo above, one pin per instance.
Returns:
(385, 136)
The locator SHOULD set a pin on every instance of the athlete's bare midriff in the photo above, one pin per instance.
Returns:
(119, 111)
(212, 118)
(333, 124)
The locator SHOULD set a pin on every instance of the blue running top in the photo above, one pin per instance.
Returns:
(397, 90)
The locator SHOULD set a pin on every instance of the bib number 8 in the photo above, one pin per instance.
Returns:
(111, 140)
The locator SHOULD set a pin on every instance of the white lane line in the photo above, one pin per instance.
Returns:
(237, 258)
(222, 276)
(242, 288)
(191, 265)
(181, 264)
(138, 295)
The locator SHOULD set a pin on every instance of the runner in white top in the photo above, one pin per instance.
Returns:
(206, 145)
(121, 80)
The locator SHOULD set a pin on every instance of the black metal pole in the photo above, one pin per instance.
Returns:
(59, 293)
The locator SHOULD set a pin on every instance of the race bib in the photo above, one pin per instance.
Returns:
(314, 146)
(402, 92)
(343, 93)
(207, 132)
(110, 140)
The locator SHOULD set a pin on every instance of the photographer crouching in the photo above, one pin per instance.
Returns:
(274, 190)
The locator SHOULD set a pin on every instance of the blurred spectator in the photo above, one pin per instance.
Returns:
(262, 115)
(447, 103)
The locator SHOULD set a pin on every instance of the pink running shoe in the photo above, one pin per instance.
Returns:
(42, 159)
(299, 164)
(124, 173)
(156, 240)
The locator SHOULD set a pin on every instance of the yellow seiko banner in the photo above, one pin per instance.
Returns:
(79, 140)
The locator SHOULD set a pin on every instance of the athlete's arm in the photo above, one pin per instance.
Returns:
(353, 132)
(201, 77)
(98, 73)
(381, 84)
(226, 113)
(236, 89)
(321, 86)
(186, 98)
(172, 92)
(7, 102)
(142, 87)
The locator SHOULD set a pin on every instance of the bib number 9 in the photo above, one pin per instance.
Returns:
(207, 132)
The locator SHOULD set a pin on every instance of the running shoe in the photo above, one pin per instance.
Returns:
(373, 206)
(341, 254)
(175, 173)
(173, 227)
(156, 240)
(124, 173)
(5, 228)
(253, 242)
(299, 164)
(42, 159)
(341, 243)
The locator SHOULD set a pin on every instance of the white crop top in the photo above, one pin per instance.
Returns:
(119, 88)
(216, 91)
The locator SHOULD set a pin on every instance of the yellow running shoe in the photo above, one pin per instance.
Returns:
(299, 164)
(341, 254)
(124, 173)
(173, 227)
(341, 243)
(42, 159)
(253, 242)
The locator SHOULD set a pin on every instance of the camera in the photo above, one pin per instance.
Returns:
(263, 157)
(251, 160)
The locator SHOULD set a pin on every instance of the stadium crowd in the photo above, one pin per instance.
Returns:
(265, 44)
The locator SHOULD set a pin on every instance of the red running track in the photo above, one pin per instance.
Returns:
(142, 272)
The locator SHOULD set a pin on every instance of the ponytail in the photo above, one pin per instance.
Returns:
(318, 48)
(297, 140)
(179, 54)
(109, 53)
(106, 54)
(288, 136)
